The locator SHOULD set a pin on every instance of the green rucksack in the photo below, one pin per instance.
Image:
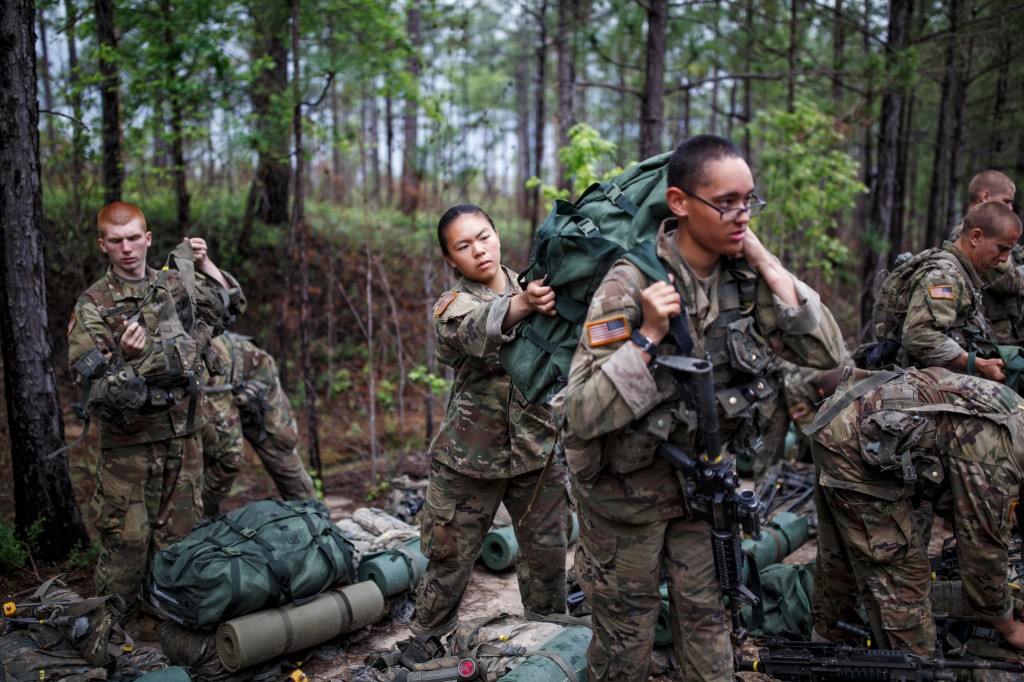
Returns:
(267, 554)
(574, 247)
(786, 591)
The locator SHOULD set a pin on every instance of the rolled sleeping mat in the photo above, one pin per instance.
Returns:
(394, 570)
(500, 548)
(785, 533)
(663, 626)
(257, 637)
(570, 646)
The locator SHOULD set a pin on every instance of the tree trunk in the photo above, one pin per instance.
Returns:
(75, 100)
(43, 495)
(44, 65)
(177, 138)
(961, 81)
(339, 183)
(540, 113)
(374, 148)
(389, 143)
(883, 218)
(410, 191)
(791, 54)
(998, 144)
(566, 86)
(300, 231)
(110, 101)
(268, 194)
(652, 102)
(522, 90)
(936, 227)
(838, 62)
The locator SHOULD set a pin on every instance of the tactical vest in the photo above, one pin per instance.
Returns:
(741, 358)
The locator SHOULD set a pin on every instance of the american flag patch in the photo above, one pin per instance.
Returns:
(607, 331)
(941, 292)
(444, 302)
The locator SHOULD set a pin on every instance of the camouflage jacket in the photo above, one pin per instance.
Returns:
(244, 365)
(964, 436)
(945, 313)
(619, 410)
(489, 430)
(106, 308)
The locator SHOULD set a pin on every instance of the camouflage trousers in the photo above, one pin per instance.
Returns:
(457, 515)
(147, 498)
(619, 566)
(870, 556)
(223, 431)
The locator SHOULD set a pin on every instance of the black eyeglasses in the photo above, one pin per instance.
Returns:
(752, 206)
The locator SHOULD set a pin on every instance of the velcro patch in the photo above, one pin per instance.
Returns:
(71, 324)
(609, 330)
(943, 292)
(444, 302)
(799, 411)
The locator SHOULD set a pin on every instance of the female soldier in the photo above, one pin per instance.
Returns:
(492, 445)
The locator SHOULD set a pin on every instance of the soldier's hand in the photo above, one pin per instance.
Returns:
(1012, 631)
(660, 302)
(540, 297)
(133, 340)
(200, 250)
(754, 251)
(990, 368)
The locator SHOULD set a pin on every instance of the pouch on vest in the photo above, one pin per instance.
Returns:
(119, 394)
(887, 438)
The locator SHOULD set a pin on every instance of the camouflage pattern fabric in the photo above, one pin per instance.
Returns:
(945, 313)
(147, 487)
(489, 430)
(619, 410)
(267, 424)
(960, 434)
(1004, 287)
(458, 513)
(147, 498)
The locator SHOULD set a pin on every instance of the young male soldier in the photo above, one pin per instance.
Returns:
(884, 442)
(1004, 283)
(246, 400)
(141, 337)
(635, 526)
(946, 324)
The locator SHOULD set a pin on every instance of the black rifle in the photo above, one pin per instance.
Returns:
(711, 490)
(826, 662)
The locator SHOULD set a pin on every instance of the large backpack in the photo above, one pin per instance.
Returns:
(267, 554)
(890, 311)
(574, 247)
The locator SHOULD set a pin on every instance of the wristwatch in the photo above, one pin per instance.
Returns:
(645, 344)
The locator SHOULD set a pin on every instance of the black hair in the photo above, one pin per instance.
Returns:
(688, 162)
(449, 217)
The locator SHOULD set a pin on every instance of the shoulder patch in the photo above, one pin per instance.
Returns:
(444, 302)
(941, 292)
(607, 330)
(71, 324)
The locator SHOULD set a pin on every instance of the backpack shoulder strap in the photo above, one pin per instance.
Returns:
(856, 391)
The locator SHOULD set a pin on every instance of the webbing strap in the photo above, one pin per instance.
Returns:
(538, 340)
(854, 392)
(619, 198)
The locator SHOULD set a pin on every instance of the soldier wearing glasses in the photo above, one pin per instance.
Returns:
(635, 526)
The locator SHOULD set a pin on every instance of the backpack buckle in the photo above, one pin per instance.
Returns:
(586, 226)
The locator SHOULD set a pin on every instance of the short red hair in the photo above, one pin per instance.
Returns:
(118, 213)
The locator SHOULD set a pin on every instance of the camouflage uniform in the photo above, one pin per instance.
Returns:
(929, 434)
(147, 476)
(633, 520)
(491, 448)
(246, 399)
(945, 313)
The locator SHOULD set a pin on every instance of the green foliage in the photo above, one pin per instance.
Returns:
(378, 490)
(582, 159)
(83, 559)
(809, 180)
(386, 393)
(437, 385)
(12, 553)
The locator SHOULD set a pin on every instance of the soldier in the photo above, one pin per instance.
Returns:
(492, 445)
(1005, 284)
(884, 442)
(805, 388)
(246, 400)
(634, 523)
(945, 324)
(149, 330)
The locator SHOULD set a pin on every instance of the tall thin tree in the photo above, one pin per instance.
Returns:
(43, 496)
(110, 100)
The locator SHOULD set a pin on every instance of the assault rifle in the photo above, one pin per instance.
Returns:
(827, 662)
(711, 490)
